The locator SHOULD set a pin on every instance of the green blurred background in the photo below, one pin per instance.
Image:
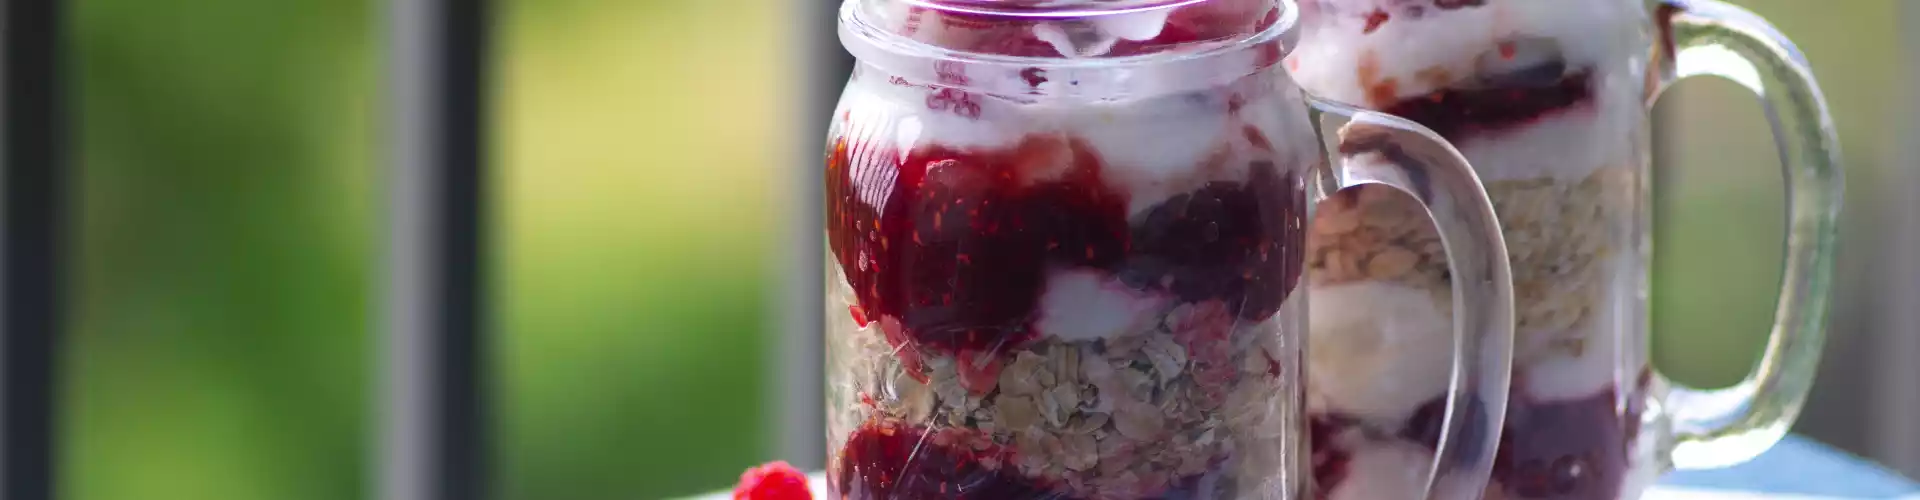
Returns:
(231, 193)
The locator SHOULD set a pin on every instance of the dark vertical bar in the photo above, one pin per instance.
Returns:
(1898, 400)
(437, 412)
(35, 160)
(799, 384)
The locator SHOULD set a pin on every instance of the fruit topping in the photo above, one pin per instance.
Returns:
(772, 481)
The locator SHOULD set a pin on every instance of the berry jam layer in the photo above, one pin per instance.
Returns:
(957, 245)
(896, 461)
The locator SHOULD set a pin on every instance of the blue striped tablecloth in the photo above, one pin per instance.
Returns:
(1796, 469)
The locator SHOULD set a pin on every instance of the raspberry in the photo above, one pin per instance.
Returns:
(957, 247)
(1227, 241)
(772, 481)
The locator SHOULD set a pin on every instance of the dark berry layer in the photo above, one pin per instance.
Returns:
(1516, 99)
(959, 249)
(960, 243)
(1427, 424)
(1571, 450)
(900, 462)
(884, 462)
(1563, 450)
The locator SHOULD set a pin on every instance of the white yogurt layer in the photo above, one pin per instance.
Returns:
(1384, 470)
(1377, 351)
(872, 106)
(1381, 470)
(1086, 305)
(1564, 375)
(1151, 148)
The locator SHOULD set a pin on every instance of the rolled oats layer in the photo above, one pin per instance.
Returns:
(1563, 239)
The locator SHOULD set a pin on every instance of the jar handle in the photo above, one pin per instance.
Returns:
(1374, 148)
(1720, 427)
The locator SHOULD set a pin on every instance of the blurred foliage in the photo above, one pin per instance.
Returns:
(221, 346)
(226, 296)
(640, 145)
(227, 289)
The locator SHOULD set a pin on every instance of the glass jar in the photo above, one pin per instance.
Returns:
(1065, 247)
(1549, 99)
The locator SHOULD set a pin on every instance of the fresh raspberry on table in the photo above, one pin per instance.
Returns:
(772, 481)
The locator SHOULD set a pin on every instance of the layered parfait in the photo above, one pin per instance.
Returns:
(1037, 290)
(1545, 98)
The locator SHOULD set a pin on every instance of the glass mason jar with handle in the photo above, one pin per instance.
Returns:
(1549, 99)
(1066, 241)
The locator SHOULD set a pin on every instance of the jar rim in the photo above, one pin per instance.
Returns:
(1203, 64)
